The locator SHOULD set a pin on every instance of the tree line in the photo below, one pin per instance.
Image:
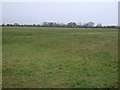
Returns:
(68, 25)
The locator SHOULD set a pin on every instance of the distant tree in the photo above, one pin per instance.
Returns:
(3, 24)
(62, 25)
(89, 24)
(79, 25)
(71, 24)
(7, 24)
(50, 24)
(45, 24)
(16, 24)
(34, 25)
(85, 25)
(38, 25)
(99, 25)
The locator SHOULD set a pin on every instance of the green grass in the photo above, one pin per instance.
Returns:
(40, 57)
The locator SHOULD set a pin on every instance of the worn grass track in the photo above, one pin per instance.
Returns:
(37, 57)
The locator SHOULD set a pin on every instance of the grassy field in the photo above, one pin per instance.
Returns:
(39, 57)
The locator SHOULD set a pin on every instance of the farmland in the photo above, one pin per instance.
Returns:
(42, 57)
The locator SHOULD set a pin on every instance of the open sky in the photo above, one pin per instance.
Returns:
(105, 13)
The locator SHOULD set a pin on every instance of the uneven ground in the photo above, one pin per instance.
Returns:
(36, 57)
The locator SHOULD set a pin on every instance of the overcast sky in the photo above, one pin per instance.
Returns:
(105, 13)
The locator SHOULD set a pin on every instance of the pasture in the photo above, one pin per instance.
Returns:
(41, 57)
